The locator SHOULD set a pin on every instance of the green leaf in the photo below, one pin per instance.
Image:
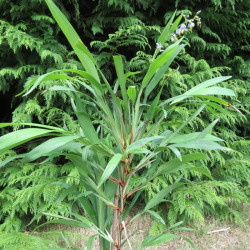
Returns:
(139, 143)
(48, 146)
(82, 219)
(183, 229)
(122, 80)
(92, 80)
(193, 136)
(189, 241)
(99, 193)
(159, 196)
(62, 88)
(90, 242)
(9, 159)
(110, 168)
(157, 216)
(65, 192)
(85, 121)
(218, 100)
(132, 93)
(169, 137)
(56, 129)
(207, 130)
(151, 110)
(19, 137)
(80, 49)
(214, 91)
(46, 77)
(104, 198)
(158, 62)
(202, 171)
(199, 88)
(83, 223)
(195, 90)
(208, 83)
(140, 151)
(214, 99)
(174, 26)
(65, 221)
(161, 71)
(175, 225)
(201, 144)
(60, 248)
(83, 170)
(128, 74)
(65, 238)
(156, 240)
(56, 75)
(165, 32)
(176, 152)
(175, 165)
(88, 209)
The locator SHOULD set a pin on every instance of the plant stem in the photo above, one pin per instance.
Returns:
(115, 219)
(101, 222)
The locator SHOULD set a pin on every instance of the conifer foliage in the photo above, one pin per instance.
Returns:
(29, 44)
(27, 190)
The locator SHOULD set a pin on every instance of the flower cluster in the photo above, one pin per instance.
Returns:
(159, 47)
(187, 25)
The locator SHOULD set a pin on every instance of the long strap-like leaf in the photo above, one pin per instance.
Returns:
(80, 49)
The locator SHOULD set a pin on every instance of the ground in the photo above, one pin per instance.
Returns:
(235, 236)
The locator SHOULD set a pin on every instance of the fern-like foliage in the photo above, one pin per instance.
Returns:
(124, 42)
(30, 189)
(29, 45)
(206, 197)
(52, 239)
(202, 196)
(17, 240)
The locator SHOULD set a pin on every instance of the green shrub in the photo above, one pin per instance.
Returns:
(28, 189)
(17, 240)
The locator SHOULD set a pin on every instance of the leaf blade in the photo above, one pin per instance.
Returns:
(156, 240)
(80, 49)
(19, 137)
(201, 144)
(110, 168)
(48, 146)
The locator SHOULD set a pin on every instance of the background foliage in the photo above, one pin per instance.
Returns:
(31, 43)
(32, 189)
